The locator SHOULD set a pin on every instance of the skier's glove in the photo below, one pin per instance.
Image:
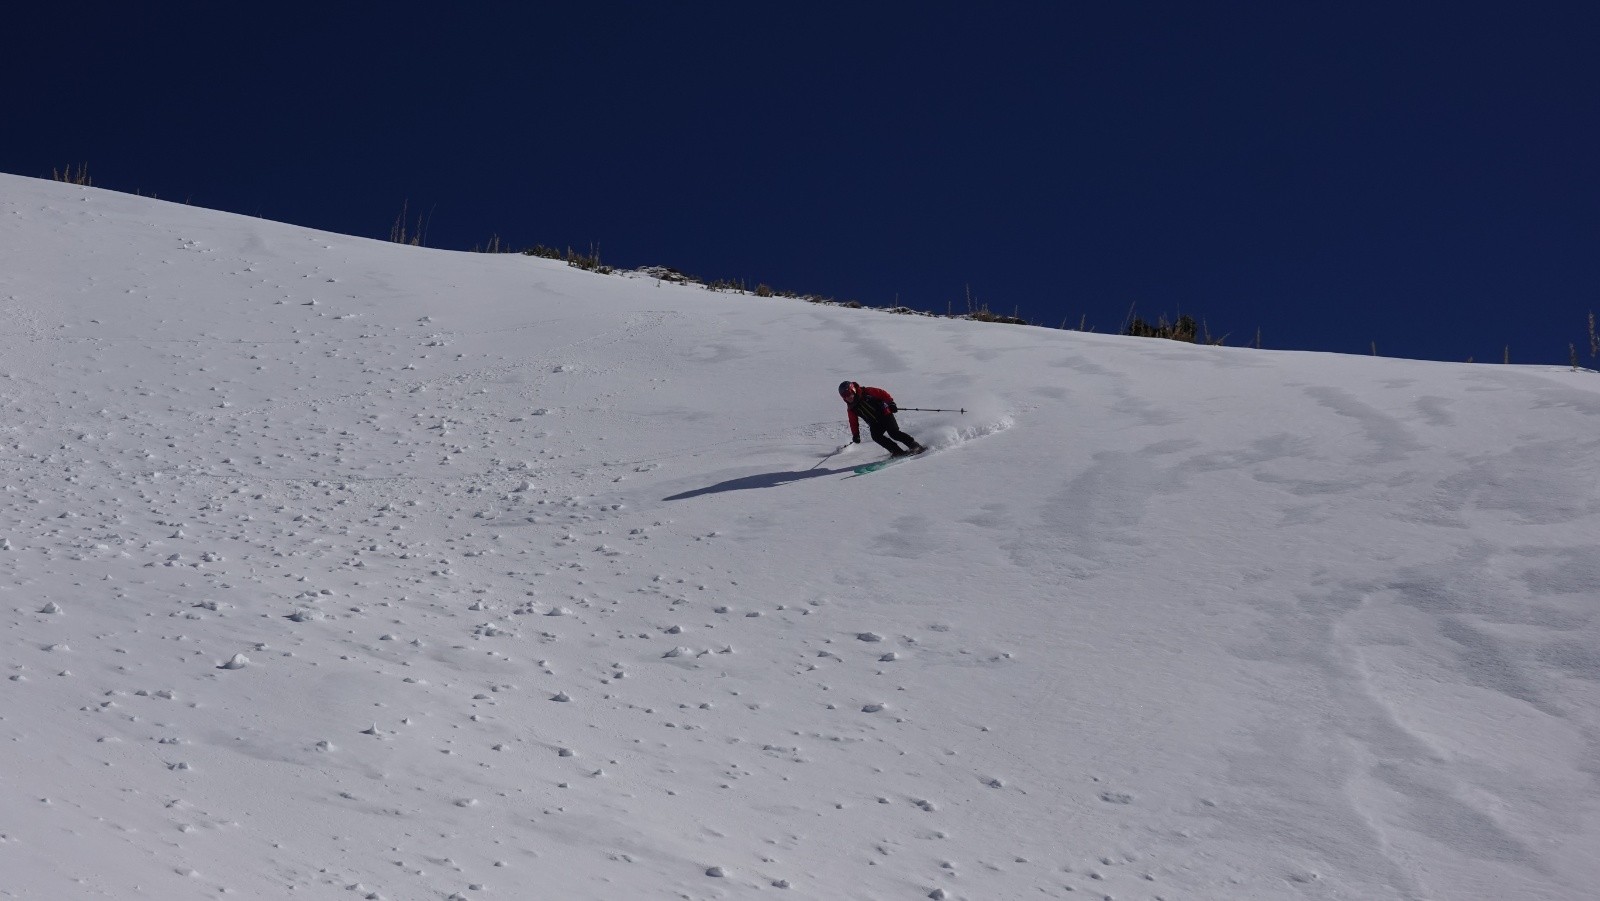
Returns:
(855, 439)
(893, 407)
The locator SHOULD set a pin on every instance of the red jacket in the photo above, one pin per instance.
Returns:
(871, 404)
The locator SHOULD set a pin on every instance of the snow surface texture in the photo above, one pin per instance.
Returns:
(342, 569)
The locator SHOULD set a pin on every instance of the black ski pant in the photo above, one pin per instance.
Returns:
(885, 428)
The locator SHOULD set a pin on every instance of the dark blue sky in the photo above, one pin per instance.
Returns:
(1422, 175)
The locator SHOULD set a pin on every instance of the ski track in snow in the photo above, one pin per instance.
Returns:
(337, 568)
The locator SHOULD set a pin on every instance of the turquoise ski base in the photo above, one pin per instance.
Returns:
(876, 465)
(873, 467)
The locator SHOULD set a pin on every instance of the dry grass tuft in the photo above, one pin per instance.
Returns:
(80, 177)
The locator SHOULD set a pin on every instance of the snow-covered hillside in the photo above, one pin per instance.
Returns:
(332, 568)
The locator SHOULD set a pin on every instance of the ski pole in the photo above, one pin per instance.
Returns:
(933, 410)
(828, 457)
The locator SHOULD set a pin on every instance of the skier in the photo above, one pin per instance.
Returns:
(877, 407)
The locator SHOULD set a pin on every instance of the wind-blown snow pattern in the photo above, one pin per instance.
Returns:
(332, 568)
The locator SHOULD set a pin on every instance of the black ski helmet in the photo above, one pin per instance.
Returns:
(848, 388)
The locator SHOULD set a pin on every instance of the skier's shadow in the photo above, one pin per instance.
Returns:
(762, 480)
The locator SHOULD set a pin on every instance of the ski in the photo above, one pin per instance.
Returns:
(876, 465)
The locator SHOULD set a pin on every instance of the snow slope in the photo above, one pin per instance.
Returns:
(332, 568)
